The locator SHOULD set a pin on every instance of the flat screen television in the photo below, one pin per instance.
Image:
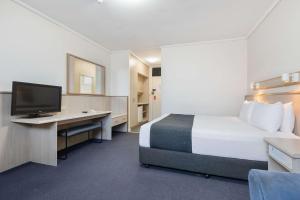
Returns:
(35, 100)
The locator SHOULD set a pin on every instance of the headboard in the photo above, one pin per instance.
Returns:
(284, 97)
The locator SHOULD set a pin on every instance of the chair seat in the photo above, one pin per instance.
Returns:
(265, 185)
(79, 129)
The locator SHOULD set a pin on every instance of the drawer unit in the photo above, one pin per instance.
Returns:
(281, 157)
(119, 120)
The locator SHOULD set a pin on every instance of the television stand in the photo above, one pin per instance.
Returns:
(32, 116)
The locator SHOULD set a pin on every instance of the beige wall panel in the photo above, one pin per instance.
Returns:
(14, 139)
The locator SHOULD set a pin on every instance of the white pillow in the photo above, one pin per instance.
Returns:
(246, 111)
(288, 121)
(267, 117)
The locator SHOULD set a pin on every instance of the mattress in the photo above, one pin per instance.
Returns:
(224, 137)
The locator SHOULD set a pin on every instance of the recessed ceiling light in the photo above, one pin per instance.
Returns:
(152, 59)
(100, 1)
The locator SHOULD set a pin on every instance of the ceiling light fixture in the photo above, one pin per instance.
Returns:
(152, 59)
(100, 1)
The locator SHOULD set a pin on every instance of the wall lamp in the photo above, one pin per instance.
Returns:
(294, 77)
(285, 77)
(255, 86)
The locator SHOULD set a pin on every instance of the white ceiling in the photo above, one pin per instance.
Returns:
(147, 24)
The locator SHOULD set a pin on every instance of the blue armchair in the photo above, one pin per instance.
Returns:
(266, 185)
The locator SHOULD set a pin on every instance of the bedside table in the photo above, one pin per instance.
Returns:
(284, 154)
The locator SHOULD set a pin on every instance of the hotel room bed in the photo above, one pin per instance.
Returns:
(222, 146)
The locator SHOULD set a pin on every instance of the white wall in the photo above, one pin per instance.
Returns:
(34, 49)
(204, 78)
(119, 73)
(273, 48)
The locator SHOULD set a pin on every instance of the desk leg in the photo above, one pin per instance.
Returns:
(43, 144)
(106, 122)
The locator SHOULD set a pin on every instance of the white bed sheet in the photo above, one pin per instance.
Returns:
(223, 136)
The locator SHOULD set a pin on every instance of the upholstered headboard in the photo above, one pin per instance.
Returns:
(284, 98)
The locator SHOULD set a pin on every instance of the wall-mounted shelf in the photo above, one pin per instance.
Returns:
(142, 75)
(140, 92)
(143, 98)
(144, 103)
(277, 82)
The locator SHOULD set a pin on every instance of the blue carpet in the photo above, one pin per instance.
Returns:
(111, 171)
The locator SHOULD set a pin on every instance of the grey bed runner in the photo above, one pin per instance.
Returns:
(174, 133)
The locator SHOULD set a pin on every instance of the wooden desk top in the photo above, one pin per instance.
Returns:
(60, 118)
(289, 146)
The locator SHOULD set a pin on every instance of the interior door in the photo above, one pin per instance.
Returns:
(156, 97)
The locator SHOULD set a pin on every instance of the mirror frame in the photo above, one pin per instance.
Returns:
(68, 75)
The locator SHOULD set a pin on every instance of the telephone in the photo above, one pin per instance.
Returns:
(90, 111)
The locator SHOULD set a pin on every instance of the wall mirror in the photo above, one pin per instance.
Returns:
(84, 77)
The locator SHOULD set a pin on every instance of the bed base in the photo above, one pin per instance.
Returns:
(203, 164)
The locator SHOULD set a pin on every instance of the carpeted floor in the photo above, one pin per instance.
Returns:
(111, 171)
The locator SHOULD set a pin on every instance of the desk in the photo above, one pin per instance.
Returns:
(42, 133)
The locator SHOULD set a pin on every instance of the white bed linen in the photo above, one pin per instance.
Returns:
(223, 136)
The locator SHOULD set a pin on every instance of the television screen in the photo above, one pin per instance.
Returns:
(31, 99)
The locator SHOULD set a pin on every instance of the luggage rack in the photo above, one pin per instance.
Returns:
(69, 132)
